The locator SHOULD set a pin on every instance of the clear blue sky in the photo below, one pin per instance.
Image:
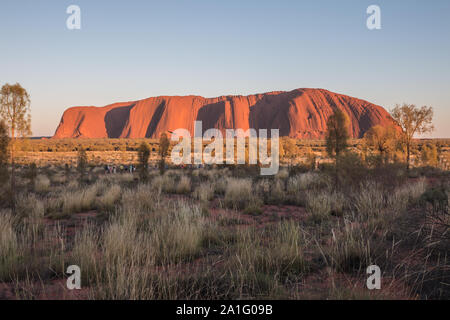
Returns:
(129, 50)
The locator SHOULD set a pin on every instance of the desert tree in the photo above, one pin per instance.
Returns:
(4, 144)
(5, 194)
(15, 111)
(337, 137)
(164, 144)
(143, 156)
(382, 139)
(412, 120)
(82, 162)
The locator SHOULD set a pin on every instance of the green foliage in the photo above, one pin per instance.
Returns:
(143, 156)
(337, 135)
(82, 162)
(164, 145)
(4, 144)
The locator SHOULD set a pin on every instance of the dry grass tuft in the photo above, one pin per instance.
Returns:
(184, 185)
(110, 198)
(42, 183)
(239, 193)
(204, 192)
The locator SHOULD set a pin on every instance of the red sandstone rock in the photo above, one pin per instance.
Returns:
(301, 113)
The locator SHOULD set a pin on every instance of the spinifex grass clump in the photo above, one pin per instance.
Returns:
(239, 193)
(108, 201)
(204, 192)
(266, 259)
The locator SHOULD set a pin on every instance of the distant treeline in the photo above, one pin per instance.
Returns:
(69, 145)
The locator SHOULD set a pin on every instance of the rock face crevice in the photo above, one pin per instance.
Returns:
(300, 113)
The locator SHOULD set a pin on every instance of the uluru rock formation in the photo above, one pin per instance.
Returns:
(300, 113)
